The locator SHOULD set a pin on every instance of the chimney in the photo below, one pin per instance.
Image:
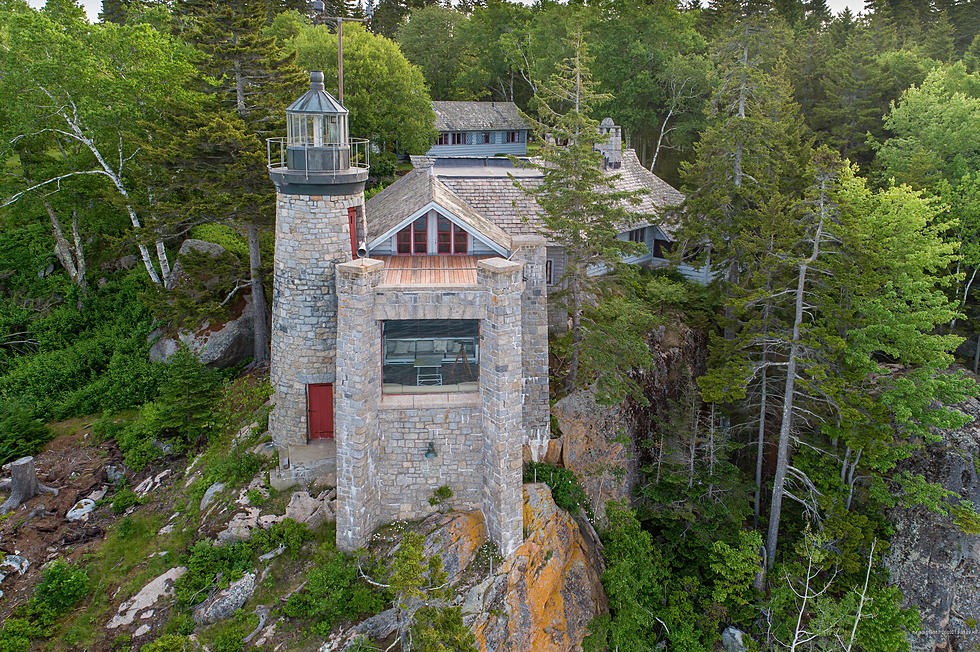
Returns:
(610, 144)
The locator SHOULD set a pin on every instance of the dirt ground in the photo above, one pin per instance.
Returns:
(74, 465)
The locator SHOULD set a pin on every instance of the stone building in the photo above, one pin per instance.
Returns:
(410, 333)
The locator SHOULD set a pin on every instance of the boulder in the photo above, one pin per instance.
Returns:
(934, 563)
(115, 474)
(226, 602)
(211, 494)
(543, 597)
(216, 345)
(455, 537)
(81, 510)
(734, 639)
(146, 598)
(17, 563)
(304, 508)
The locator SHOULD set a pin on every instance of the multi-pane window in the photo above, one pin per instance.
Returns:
(484, 138)
(458, 138)
(636, 235)
(443, 139)
(413, 239)
(514, 137)
(451, 238)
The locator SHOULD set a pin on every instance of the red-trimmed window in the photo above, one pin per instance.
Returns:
(636, 235)
(413, 239)
(443, 139)
(450, 238)
(459, 138)
(547, 272)
(514, 137)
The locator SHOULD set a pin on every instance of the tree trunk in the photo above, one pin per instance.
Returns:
(261, 351)
(786, 425)
(976, 355)
(23, 484)
(760, 442)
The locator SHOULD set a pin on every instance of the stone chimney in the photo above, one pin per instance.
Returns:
(611, 146)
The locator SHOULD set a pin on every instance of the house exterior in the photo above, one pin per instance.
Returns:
(479, 129)
(410, 332)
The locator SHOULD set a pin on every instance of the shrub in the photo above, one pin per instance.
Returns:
(124, 499)
(565, 489)
(440, 495)
(169, 643)
(287, 533)
(384, 164)
(204, 562)
(223, 235)
(20, 433)
(333, 593)
(17, 633)
(62, 585)
(441, 629)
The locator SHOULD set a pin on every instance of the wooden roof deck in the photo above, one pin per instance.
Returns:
(430, 270)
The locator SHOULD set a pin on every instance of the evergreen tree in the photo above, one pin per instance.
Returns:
(253, 83)
(579, 206)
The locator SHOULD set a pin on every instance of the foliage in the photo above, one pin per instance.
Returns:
(287, 533)
(62, 585)
(440, 495)
(441, 60)
(441, 630)
(124, 499)
(203, 291)
(565, 488)
(169, 643)
(208, 564)
(385, 94)
(333, 593)
(20, 433)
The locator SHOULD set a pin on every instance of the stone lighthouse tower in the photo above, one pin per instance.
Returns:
(319, 173)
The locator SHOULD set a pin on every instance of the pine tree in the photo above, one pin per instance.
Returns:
(579, 206)
(253, 83)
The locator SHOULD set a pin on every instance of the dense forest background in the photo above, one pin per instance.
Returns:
(832, 162)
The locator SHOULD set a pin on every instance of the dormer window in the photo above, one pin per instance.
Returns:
(458, 138)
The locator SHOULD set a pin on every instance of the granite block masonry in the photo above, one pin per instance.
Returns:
(383, 473)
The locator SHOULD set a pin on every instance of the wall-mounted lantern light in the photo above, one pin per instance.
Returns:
(430, 451)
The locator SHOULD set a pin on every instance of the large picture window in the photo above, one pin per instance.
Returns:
(422, 356)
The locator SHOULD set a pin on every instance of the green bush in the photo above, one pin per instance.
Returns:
(204, 562)
(20, 433)
(17, 633)
(333, 593)
(440, 495)
(287, 533)
(62, 585)
(124, 499)
(565, 489)
(169, 643)
(384, 164)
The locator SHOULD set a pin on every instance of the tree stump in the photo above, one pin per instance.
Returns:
(23, 484)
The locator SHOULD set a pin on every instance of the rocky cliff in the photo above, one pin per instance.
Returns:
(935, 564)
(601, 443)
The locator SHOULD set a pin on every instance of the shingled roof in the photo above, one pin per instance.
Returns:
(477, 116)
(481, 191)
(413, 192)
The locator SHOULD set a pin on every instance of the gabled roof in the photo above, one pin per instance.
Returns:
(490, 190)
(393, 207)
(477, 116)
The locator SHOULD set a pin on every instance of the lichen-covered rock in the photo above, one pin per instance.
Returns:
(455, 537)
(936, 565)
(543, 597)
(157, 589)
(226, 602)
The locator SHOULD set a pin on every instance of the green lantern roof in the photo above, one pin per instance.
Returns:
(316, 100)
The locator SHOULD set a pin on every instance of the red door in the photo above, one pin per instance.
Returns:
(320, 401)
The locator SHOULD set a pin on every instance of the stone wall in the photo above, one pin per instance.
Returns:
(312, 236)
(530, 249)
(501, 370)
(407, 477)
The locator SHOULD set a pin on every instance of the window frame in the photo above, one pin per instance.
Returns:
(548, 272)
(410, 235)
(458, 138)
(637, 235)
(514, 137)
